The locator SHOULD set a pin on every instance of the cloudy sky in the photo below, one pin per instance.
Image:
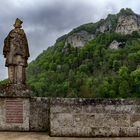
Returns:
(46, 20)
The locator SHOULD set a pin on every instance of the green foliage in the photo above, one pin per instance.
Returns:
(92, 71)
(123, 72)
(4, 83)
(126, 12)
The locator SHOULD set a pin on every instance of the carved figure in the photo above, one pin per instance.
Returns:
(16, 53)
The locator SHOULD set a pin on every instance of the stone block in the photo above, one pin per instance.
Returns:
(135, 120)
(128, 132)
(39, 114)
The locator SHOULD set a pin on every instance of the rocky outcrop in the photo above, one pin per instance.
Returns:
(78, 39)
(105, 27)
(115, 44)
(125, 22)
(128, 24)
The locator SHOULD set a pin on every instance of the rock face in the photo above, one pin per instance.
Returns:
(107, 26)
(125, 22)
(128, 24)
(78, 39)
(115, 45)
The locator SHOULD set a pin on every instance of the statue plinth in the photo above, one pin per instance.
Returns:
(15, 105)
(16, 90)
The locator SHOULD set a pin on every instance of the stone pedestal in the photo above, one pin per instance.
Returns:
(15, 108)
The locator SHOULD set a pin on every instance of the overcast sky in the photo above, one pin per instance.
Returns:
(46, 20)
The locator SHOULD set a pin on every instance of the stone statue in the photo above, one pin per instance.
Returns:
(16, 53)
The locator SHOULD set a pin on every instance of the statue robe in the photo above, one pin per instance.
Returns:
(15, 48)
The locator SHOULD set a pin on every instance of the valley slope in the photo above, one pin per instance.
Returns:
(99, 60)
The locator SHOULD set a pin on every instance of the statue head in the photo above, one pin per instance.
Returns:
(18, 23)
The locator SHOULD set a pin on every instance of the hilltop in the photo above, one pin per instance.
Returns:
(94, 60)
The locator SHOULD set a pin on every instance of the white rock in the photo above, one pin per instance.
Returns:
(114, 45)
(128, 24)
(79, 39)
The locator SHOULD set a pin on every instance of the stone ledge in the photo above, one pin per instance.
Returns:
(92, 101)
(15, 90)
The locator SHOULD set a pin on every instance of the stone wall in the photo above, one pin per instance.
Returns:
(94, 117)
(39, 114)
(71, 117)
(24, 114)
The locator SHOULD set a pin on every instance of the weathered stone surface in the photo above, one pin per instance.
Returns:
(92, 102)
(105, 27)
(78, 39)
(94, 117)
(16, 53)
(11, 125)
(73, 117)
(115, 45)
(15, 90)
(123, 22)
(128, 24)
(135, 120)
(39, 114)
(128, 131)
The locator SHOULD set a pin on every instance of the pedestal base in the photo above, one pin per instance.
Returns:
(15, 108)
(14, 114)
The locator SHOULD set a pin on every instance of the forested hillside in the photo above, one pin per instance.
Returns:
(100, 68)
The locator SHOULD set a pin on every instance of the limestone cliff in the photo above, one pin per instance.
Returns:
(125, 22)
(105, 67)
(79, 39)
(104, 27)
(128, 24)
